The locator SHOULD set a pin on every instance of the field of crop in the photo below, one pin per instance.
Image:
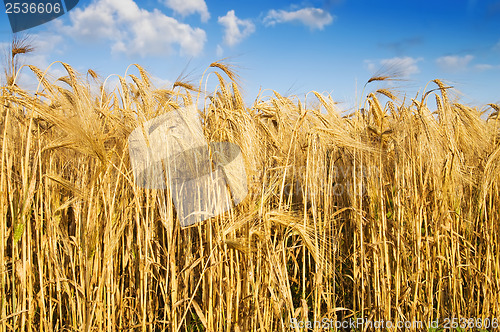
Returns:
(388, 213)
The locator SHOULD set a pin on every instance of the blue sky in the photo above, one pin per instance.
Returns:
(293, 47)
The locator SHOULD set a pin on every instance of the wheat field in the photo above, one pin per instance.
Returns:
(389, 212)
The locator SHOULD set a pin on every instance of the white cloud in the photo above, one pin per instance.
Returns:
(28, 80)
(134, 31)
(402, 67)
(44, 44)
(161, 83)
(454, 63)
(47, 42)
(235, 29)
(188, 7)
(405, 66)
(4, 46)
(370, 66)
(219, 51)
(485, 66)
(314, 18)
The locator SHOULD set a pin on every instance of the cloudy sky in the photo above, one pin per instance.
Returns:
(293, 47)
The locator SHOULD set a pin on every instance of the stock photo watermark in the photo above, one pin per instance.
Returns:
(353, 323)
(27, 14)
(204, 179)
(363, 324)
